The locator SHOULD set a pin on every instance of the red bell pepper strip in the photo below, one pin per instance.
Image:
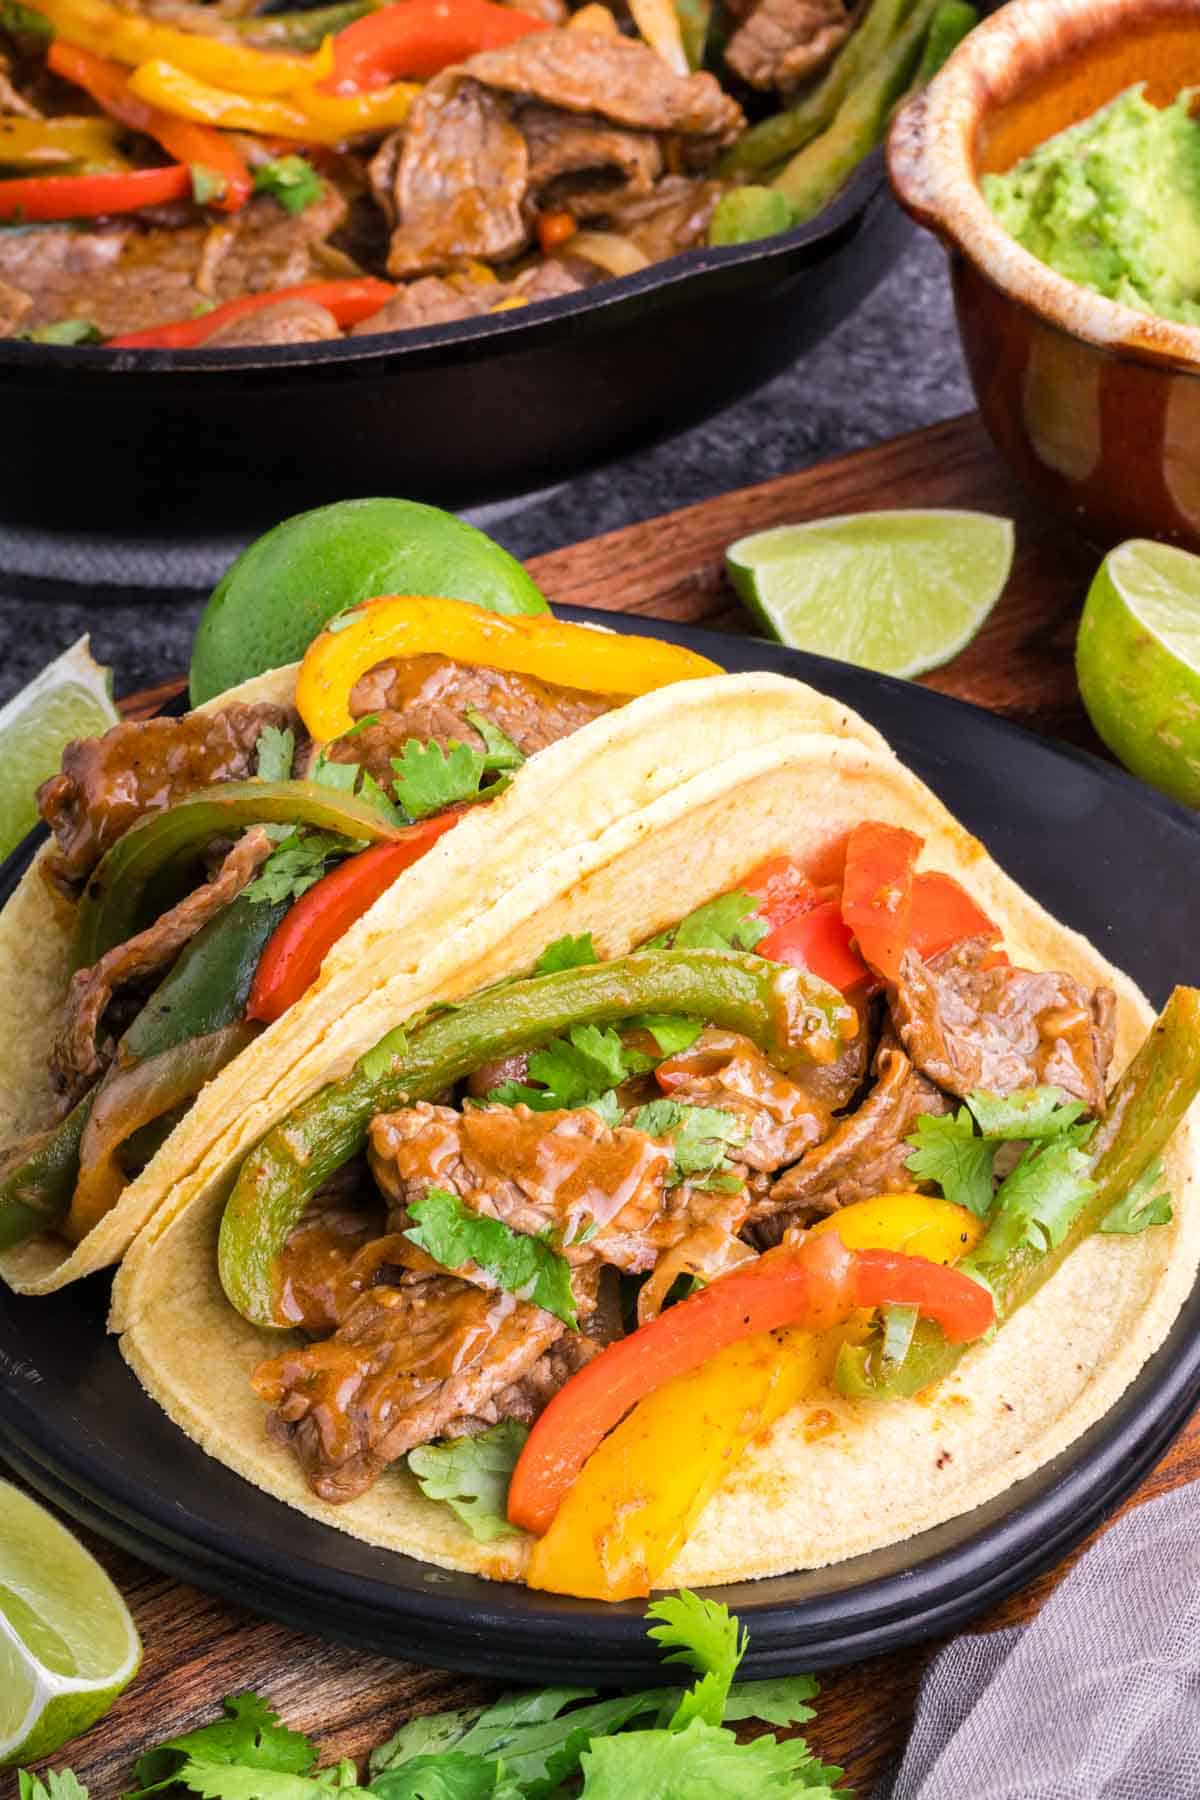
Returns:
(821, 942)
(417, 39)
(292, 959)
(816, 1286)
(877, 892)
(944, 914)
(783, 890)
(44, 197)
(196, 145)
(349, 301)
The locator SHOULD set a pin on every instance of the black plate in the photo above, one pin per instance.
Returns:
(1099, 850)
(455, 414)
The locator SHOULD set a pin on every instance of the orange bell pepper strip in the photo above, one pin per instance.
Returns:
(420, 38)
(197, 145)
(349, 301)
(877, 892)
(304, 937)
(578, 656)
(634, 1505)
(133, 38)
(45, 197)
(944, 914)
(304, 115)
(818, 1286)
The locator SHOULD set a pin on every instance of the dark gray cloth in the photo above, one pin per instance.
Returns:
(893, 366)
(1097, 1699)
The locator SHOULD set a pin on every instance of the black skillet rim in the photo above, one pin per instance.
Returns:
(500, 1629)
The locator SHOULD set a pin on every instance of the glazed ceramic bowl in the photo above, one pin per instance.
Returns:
(1095, 406)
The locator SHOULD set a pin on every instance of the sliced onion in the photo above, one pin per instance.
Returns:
(658, 23)
(608, 249)
(709, 1253)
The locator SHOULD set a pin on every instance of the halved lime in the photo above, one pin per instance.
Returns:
(1138, 661)
(67, 1643)
(69, 699)
(901, 592)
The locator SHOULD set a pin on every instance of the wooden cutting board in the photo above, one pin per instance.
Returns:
(199, 1649)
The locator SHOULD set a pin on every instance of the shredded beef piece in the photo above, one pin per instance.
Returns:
(1003, 1028)
(107, 783)
(586, 165)
(529, 1396)
(866, 1153)
(491, 1075)
(286, 322)
(783, 1117)
(430, 301)
(14, 307)
(76, 1059)
(674, 218)
(407, 1363)
(460, 180)
(784, 41)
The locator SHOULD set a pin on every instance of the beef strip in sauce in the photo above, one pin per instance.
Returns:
(782, 42)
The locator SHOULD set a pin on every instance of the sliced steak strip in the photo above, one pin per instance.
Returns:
(1001, 1028)
(784, 41)
(460, 180)
(76, 1059)
(407, 1363)
(429, 697)
(286, 322)
(585, 164)
(674, 218)
(866, 1153)
(529, 1396)
(782, 1118)
(108, 783)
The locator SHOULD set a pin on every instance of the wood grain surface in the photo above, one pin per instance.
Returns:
(198, 1648)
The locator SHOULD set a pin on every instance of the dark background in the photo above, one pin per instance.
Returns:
(893, 365)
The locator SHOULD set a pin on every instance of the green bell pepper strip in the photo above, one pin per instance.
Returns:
(110, 908)
(789, 1013)
(695, 24)
(949, 26)
(1146, 1106)
(35, 1193)
(302, 30)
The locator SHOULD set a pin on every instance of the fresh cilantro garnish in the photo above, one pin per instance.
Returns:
(65, 331)
(1146, 1204)
(580, 1069)
(471, 1474)
(499, 751)
(350, 777)
(250, 1736)
(609, 1108)
(779, 1700)
(293, 182)
(700, 1137)
(567, 953)
(701, 1761)
(670, 1031)
(730, 922)
(212, 1782)
(207, 184)
(526, 1266)
(275, 750)
(705, 1635)
(1039, 1201)
(378, 1060)
(298, 864)
(428, 779)
(339, 777)
(1041, 1112)
(948, 1151)
(60, 1784)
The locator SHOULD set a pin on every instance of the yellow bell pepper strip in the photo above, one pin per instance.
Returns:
(640, 1494)
(56, 143)
(133, 38)
(305, 115)
(578, 656)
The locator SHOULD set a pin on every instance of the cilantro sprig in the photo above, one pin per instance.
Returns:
(471, 1475)
(700, 1137)
(454, 1236)
(730, 922)
(297, 864)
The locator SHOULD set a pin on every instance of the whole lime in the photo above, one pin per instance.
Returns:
(274, 599)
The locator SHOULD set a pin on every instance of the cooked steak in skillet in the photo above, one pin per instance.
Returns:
(783, 41)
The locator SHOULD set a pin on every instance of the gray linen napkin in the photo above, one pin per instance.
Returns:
(1097, 1699)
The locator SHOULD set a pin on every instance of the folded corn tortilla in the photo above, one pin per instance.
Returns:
(834, 1478)
(558, 800)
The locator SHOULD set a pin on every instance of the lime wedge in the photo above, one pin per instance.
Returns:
(900, 592)
(67, 1643)
(69, 699)
(1138, 661)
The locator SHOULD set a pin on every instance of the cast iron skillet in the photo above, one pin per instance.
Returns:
(456, 414)
(1091, 844)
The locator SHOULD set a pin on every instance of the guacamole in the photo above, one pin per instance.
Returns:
(1114, 204)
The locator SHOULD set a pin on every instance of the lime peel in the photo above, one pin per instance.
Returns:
(72, 697)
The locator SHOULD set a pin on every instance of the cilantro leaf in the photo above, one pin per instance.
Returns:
(1038, 1202)
(428, 778)
(471, 1474)
(1141, 1206)
(298, 864)
(705, 1635)
(499, 751)
(342, 777)
(60, 1784)
(948, 1152)
(730, 922)
(236, 1781)
(580, 1069)
(1040, 1112)
(275, 750)
(700, 1136)
(424, 1736)
(526, 1266)
(609, 1108)
(670, 1031)
(250, 1736)
(701, 1761)
(779, 1700)
(379, 1059)
(446, 1775)
(567, 953)
(291, 180)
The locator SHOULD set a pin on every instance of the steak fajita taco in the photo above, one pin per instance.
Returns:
(760, 1183)
(196, 927)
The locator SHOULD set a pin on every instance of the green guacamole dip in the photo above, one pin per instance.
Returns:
(1114, 204)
